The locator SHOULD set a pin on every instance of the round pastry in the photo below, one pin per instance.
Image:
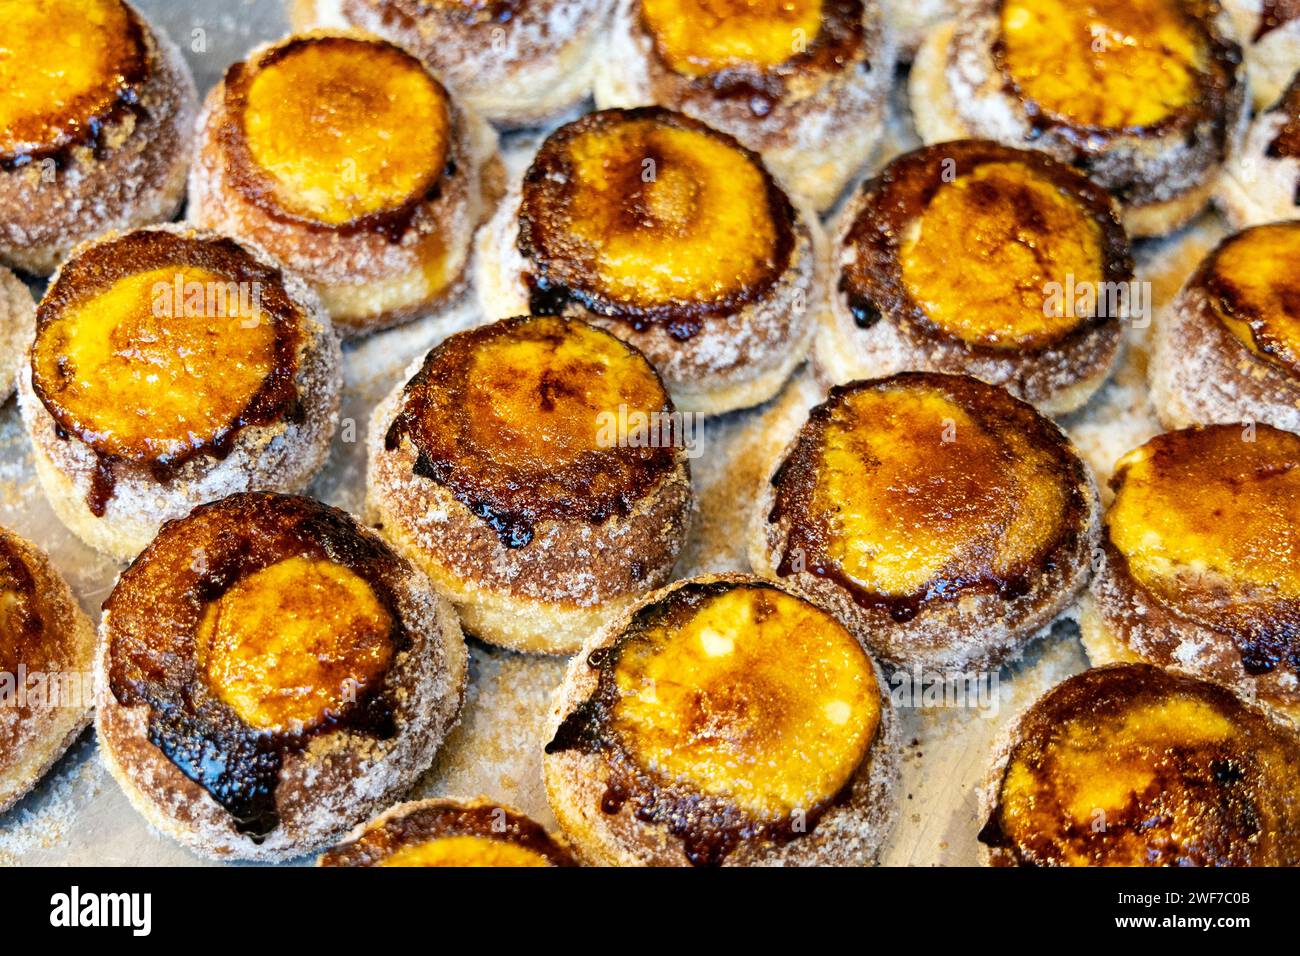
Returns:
(96, 126)
(449, 833)
(17, 320)
(803, 82)
(47, 648)
(945, 522)
(723, 721)
(1145, 96)
(1270, 32)
(1200, 563)
(296, 154)
(536, 470)
(1133, 766)
(1228, 347)
(515, 62)
(978, 258)
(270, 675)
(172, 367)
(672, 236)
(909, 22)
(1262, 181)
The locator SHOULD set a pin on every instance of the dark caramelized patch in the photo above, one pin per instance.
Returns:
(727, 712)
(124, 416)
(153, 657)
(435, 821)
(919, 489)
(22, 625)
(519, 420)
(873, 283)
(829, 48)
(68, 71)
(651, 217)
(327, 164)
(1133, 766)
(1206, 522)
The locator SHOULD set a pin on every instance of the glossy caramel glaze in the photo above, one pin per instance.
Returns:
(311, 128)
(649, 216)
(1206, 521)
(960, 240)
(1287, 142)
(751, 50)
(67, 69)
(227, 701)
(727, 712)
(922, 488)
(153, 347)
(1253, 283)
(1090, 72)
(1134, 766)
(508, 417)
(443, 833)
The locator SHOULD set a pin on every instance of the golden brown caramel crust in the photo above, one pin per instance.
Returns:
(93, 274)
(250, 791)
(42, 632)
(618, 813)
(1200, 557)
(1131, 765)
(409, 826)
(1252, 280)
(998, 513)
(647, 189)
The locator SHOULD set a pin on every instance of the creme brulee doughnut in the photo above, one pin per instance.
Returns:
(297, 154)
(515, 62)
(947, 262)
(1133, 766)
(1228, 347)
(170, 367)
(805, 83)
(449, 833)
(1262, 181)
(47, 647)
(944, 521)
(1200, 563)
(672, 236)
(500, 469)
(270, 674)
(96, 126)
(723, 721)
(1147, 97)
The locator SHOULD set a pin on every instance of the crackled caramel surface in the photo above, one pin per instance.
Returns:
(1254, 279)
(695, 37)
(63, 67)
(1208, 522)
(1132, 766)
(1108, 63)
(465, 851)
(980, 256)
(344, 128)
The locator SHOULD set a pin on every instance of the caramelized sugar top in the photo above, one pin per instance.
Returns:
(343, 128)
(1254, 281)
(538, 417)
(980, 257)
(65, 66)
(1208, 521)
(443, 833)
(24, 637)
(247, 628)
(920, 487)
(1111, 64)
(152, 346)
(289, 645)
(1131, 766)
(646, 212)
(695, 37)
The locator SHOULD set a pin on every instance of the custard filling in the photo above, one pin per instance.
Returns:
(1107, 64)
(696, 37)
(465, 850)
